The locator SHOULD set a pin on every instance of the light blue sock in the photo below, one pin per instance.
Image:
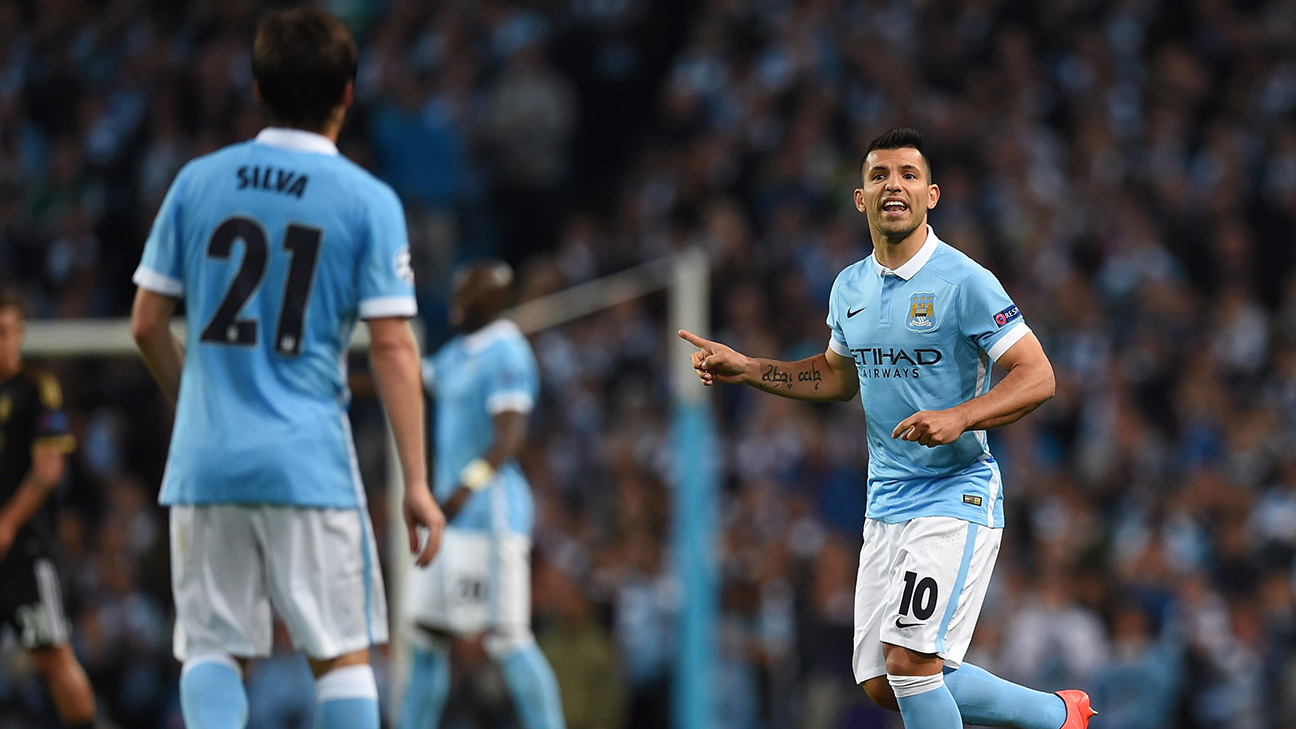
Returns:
(925, 702)
(534, 688)
(348, 699)
(212, 694)
(987, 700)
(427, 690)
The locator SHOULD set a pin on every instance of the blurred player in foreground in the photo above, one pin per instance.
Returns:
(279, 244)
(34, 443)
(914, 329)
(485, 382)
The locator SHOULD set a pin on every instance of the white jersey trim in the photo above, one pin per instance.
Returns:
(1013, 336)
(489, 334)
(993, 488)
(911, 267)
(509, 402)
(388, 306)
(838, 347)
(299, 140)
(150, 280)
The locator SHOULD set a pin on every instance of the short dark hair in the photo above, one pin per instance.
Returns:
(898, 138)
(11, 299)
(302, 59)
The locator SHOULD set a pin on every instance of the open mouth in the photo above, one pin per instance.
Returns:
(894, 208)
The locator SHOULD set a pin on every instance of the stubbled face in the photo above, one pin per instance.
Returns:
(11, 339)
(896, 193)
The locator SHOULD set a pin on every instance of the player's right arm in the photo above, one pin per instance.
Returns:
(393, 355)
(151, 328)
(821, 378)
(160, 278)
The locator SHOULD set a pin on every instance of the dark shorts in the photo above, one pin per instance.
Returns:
(31, 602)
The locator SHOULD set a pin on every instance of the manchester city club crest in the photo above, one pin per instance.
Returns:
(922, 311)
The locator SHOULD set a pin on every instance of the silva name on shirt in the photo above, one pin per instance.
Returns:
(287, 182)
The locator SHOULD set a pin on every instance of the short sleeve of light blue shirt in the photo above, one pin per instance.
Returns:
(837, 342)
(987, 316)
(386, 277)
(161, 268)
(513, 381)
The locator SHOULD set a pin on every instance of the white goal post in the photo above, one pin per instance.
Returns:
(685, 277)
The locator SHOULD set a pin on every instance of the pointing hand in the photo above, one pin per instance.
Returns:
(714, 362)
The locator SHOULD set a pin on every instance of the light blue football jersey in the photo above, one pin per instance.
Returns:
(923, 337)
(473, 378)
(277, 246)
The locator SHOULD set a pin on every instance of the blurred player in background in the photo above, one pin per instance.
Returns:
(34, 443)
(914, 328)
(485, 382)
(278, 245)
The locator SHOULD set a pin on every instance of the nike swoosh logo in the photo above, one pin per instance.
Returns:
(905, 625)
(850, 313)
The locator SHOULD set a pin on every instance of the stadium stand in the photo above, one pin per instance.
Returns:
(1126, 167)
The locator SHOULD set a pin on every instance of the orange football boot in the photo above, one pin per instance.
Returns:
(1078, 710)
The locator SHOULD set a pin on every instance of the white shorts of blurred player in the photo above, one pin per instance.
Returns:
(478, 583)
(317, 567)
(921, 584)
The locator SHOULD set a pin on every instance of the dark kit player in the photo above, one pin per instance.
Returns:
(34, 442)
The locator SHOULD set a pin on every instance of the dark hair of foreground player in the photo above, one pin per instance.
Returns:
(302, 60)
(898, 138)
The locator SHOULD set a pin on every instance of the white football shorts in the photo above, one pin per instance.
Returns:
(479, 582)
(317, 567)
(921, 584)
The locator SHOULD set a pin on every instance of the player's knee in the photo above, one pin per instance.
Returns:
(504, 641)
(901, 661)
(430, 639)
(879, 691)
(48, 660)
(322, 666)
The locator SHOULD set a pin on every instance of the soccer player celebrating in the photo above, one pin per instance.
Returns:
(914, 328)
(485, 383)
(279, 244)
(34, 442)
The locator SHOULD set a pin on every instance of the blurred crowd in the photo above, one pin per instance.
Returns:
(1126, 167)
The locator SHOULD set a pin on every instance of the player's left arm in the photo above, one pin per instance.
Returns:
(1026, 386)
(509, 433)
(49, 452)
(151, 328)
(46, 472)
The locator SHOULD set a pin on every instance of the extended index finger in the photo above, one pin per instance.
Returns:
(695, 340)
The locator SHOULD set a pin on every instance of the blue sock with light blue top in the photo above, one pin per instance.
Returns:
(212, 694)
(348, 699)
(925, 702)
(534, 688)
(987, 700)
(427, 690)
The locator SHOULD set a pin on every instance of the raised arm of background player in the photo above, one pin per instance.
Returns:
(830, 376)
(393, 354)
(46, 471)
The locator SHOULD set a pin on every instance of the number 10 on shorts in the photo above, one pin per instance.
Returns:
(919, 595)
